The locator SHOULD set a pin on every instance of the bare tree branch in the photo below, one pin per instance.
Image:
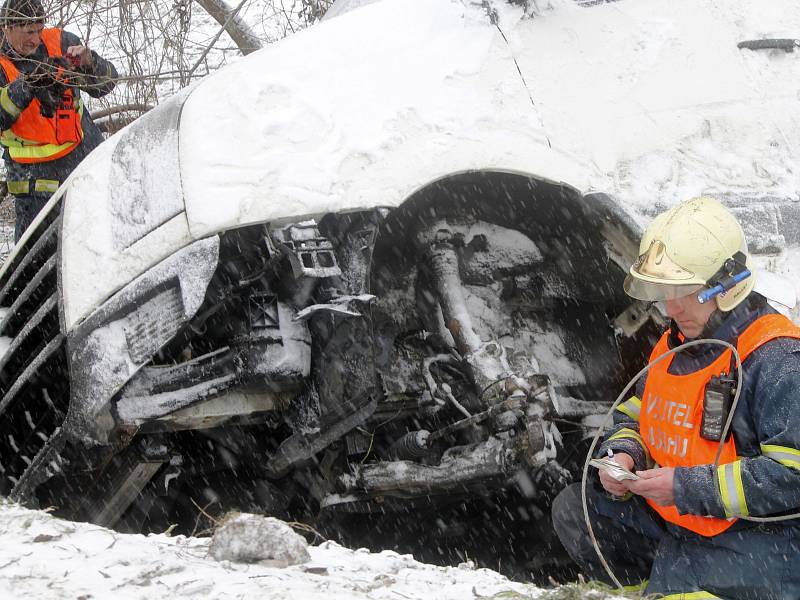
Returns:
(161, 46)
(113, 110)
(234, 26)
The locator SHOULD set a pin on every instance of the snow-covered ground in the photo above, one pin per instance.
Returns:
(42, 557)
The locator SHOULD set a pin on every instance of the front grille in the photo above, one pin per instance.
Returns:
(155, 323)
(34, 385)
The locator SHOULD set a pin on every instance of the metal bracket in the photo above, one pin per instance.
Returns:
(310, 254)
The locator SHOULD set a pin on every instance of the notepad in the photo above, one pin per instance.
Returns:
(613, 468)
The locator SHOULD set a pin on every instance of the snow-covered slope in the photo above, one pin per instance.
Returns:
(43, 558)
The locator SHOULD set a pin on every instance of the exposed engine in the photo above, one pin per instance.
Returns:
(456, 348)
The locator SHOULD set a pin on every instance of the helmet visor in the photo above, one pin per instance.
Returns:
(651, 291)
(655, 276)
(656, 265)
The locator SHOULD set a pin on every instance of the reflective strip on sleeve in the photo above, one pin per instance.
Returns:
(626, 433)
(788, 457)
(632, 407)
(8, 139)
(7, 104)
(45, 185)
(18, 188)
(689, 596)
(731, 489)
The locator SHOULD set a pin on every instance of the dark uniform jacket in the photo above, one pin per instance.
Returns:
(766, 425)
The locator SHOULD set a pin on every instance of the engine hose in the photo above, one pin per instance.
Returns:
(715, 466)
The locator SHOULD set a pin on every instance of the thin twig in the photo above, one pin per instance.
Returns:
(216, 37)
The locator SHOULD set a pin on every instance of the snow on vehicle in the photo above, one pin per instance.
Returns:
(378, 266)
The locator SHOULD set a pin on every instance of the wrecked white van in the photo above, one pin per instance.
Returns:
(379, 264)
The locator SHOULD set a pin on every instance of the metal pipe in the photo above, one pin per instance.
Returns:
(444, 262)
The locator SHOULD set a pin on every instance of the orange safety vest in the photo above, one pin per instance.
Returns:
(34, 138)
(672, 409)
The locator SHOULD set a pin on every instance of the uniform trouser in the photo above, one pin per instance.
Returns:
(753, 563)
(26, 207)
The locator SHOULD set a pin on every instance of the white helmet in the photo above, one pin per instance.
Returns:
(685, 249)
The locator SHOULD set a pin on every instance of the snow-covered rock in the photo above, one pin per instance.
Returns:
(253, 538)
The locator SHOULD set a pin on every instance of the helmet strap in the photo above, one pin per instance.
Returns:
(675, 336)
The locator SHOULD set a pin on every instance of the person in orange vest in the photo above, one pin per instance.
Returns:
(681, 529)
(46, 130)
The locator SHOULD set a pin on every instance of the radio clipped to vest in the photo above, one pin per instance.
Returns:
(717, 401)
(67, 120)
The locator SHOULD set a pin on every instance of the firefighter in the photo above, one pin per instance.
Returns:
(680, 529)
(46, 130)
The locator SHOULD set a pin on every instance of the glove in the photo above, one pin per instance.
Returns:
(20, 93)
(49, 98)
(47, 86)
(43, 75)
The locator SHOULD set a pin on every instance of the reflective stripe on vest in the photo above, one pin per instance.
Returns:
(33, 138)
(672, 409)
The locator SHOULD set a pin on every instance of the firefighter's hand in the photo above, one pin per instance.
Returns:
(611, 485)
(80, 56)
(43, 75)
(656, 485)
